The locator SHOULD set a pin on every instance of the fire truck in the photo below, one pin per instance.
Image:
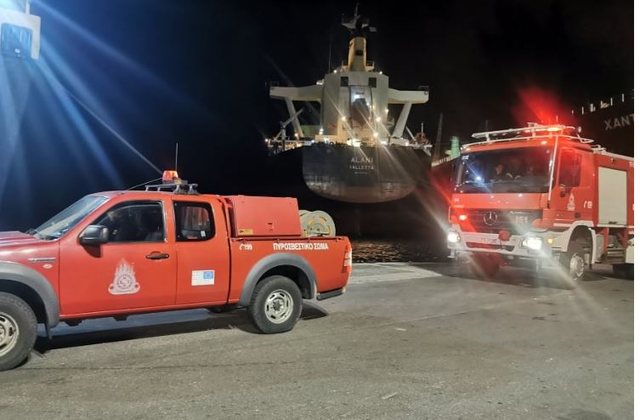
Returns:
(542, 195)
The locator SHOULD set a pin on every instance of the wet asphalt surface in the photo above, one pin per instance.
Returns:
(423, 341)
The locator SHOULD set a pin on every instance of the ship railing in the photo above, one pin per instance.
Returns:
(604, 104)
(442, 161)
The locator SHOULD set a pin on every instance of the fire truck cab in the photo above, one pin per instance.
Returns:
(542, 194)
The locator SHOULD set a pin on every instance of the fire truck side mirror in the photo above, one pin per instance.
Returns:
(563, 190)
(94, 235)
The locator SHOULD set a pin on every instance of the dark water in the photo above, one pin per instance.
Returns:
(398, 250)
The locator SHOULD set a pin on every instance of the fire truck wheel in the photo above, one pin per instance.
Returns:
(276, 305)
(573, 263)
(484, 266)
(18, 331)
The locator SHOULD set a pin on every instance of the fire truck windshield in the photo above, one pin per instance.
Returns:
(62, 222)
(520, 170)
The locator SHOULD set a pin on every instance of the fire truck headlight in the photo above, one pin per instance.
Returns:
(532, 242)
(453, 237)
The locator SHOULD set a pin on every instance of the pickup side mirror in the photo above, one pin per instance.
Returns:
(94, 235)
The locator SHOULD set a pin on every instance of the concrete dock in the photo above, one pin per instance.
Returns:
(423, 341)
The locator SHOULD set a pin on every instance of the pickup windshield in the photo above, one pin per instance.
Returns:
(62, 222)
(523, 170)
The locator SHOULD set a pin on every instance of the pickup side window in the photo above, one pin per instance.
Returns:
(134, 221)
(194, 221)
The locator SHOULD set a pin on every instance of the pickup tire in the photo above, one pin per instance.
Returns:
(18, 331)
(275, 305)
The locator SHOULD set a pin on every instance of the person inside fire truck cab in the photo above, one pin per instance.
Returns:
(529, 173)
(500, 173)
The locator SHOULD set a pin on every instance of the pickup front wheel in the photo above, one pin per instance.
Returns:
(276, 305)
(17, 331)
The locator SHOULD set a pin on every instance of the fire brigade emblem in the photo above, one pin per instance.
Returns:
(571, 205)
(124, 280)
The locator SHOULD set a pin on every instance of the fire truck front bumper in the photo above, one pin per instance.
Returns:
(530, 246)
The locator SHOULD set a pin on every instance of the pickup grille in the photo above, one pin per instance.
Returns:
(493, 221)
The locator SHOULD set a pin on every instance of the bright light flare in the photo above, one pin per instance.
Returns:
(453, 237)
(534, 243)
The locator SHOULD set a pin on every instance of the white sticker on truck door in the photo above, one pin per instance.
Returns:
(203, 277)
(124, 280)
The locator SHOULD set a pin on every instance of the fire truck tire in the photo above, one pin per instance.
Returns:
(484, 266)
(18, 331)
(573, 263)
(623, 270)
(275, 305)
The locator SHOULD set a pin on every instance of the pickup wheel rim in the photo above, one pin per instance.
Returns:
(9, 333)
(278, 306)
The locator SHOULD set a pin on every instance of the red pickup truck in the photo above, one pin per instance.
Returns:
(124, 252)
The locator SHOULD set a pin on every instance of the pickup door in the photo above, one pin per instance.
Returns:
(202, 250)
(161, 253)
(136, 269)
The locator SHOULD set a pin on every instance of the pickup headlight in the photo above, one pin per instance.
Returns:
(453, 237)
(533, 242)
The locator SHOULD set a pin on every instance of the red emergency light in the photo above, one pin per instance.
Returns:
(170, 176)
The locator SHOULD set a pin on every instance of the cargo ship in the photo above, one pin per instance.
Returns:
(610, 121)
(355, 152)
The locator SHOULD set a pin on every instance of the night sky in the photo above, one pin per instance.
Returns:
(197, 72)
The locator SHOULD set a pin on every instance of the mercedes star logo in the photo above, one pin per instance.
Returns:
(490, 218)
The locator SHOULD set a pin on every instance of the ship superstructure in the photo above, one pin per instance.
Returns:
(356, 152)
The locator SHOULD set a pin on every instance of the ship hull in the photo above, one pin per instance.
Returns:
(363, 174)
(412, 211)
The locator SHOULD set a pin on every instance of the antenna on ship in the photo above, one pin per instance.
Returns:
(436, 150)
(330, 45)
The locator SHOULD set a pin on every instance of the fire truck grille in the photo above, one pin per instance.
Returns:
(489, 246)
(493, 221)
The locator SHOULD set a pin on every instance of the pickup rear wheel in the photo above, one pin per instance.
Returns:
(276, 305)
(18, 331)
